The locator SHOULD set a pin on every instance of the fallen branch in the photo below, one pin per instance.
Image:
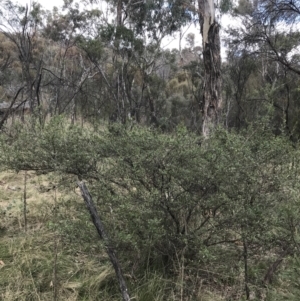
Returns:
(103, 235)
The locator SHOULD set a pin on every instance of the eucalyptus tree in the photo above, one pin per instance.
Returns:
(273, 25)
(212, 98)
(269, 37)
(148, 22)
(176, 14)
(69, 70)
(19, 24)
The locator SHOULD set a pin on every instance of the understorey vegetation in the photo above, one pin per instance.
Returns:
(190, 218)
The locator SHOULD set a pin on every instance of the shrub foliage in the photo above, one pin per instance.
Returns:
(223, 212)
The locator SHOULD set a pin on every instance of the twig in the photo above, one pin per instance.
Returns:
(25, 201)
(55, 254)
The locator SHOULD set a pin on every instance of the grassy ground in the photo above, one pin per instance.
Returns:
(59, 255)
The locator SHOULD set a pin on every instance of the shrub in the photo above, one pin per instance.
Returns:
(216, 209)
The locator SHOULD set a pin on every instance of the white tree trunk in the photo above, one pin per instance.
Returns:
(212, 98)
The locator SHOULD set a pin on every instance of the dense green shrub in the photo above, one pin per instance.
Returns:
(221, 210)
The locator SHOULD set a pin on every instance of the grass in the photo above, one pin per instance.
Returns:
(60, 256)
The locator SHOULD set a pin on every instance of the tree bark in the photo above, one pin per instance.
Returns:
(212, 98)
(119, 13)
(103, 235)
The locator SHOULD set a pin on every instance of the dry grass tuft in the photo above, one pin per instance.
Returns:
(51, 260)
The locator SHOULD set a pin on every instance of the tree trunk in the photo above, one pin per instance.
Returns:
(119, 13)
(212, 98)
